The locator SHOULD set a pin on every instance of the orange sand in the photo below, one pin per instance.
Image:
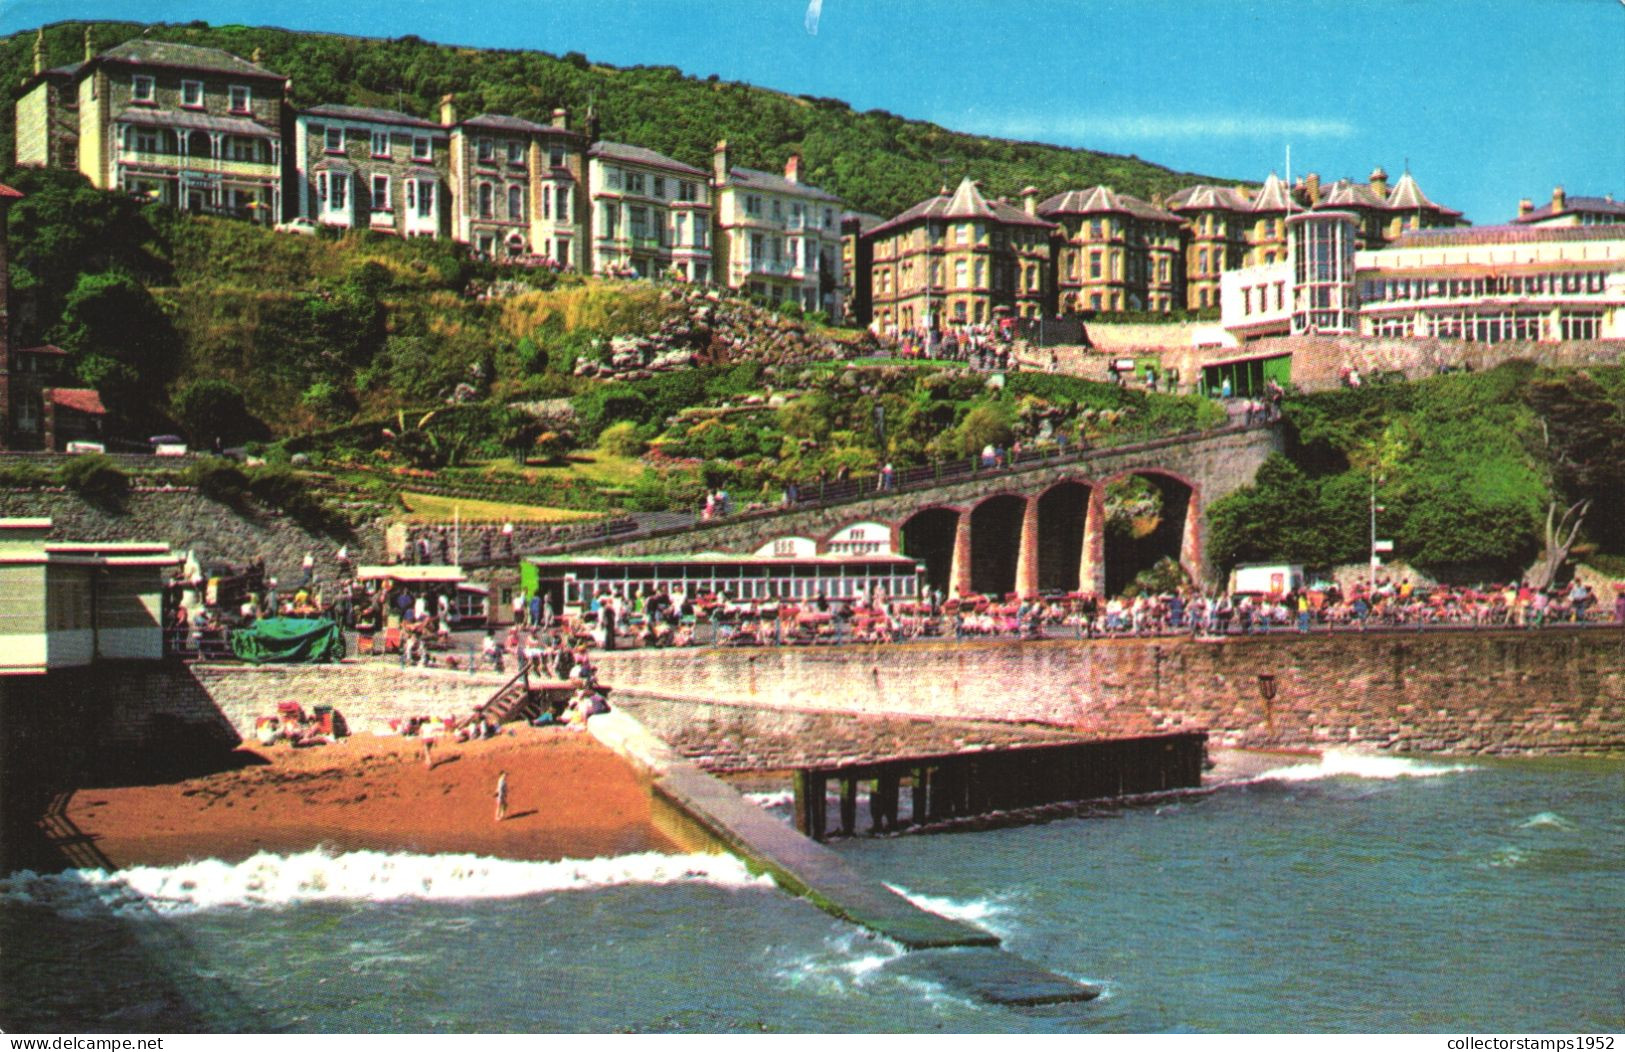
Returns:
(568, 797)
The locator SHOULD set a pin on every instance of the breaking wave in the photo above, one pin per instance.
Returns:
(269, 881)
(1335, 763)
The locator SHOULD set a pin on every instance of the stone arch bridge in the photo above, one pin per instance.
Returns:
(1039, 525)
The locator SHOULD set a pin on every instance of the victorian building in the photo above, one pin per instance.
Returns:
(1114, 252)
(776, 237)
(1564, 210)
(373, 169)
(959, 260)
(650, 215)
(518, 185)
(192, 127)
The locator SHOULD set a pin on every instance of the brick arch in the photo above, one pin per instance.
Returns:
(1187, 534)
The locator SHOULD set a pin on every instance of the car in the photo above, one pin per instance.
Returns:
(300, 225)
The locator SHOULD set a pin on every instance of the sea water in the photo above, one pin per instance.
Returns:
(1354, 893)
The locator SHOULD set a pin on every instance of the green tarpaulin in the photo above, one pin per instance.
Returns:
(289, 640)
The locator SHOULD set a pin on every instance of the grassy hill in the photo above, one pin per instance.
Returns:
(878, 162)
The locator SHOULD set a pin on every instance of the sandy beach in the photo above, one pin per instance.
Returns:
(568, 797)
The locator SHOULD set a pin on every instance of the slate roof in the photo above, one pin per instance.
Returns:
(503, 122)
(1507, 234)
(1407, 196)
(1104, 200)
(143, 52)
(967, 202)
(1596, 205)
(866, 221)
(1273, 196)
(195, 121)
(370, 113)
(618, 151)
(79, 399)
(753, 179)
(1204, 197)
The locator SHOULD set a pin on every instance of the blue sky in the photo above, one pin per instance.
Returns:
(1488, 101)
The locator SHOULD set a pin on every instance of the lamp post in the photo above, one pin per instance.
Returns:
(1375, 507)
(1266, 690)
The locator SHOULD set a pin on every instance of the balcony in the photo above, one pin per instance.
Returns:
(258, 170)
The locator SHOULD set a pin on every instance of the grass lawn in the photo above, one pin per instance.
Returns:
(588, 464)
(427, 507)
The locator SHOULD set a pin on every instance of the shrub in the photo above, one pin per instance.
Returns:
(621, 440)
(218, 479)
(95, 478)
(23, 476)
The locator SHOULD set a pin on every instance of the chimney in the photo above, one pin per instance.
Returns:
(1029, 200)
(1311, 186)
(39, 50)
(561, 117)
(1560, 200)
(257, 57)
(1525, 207)
(592, 126)
(792, 168)
(448, 110)
(719, 162)
(90, 50)
(1379, 181)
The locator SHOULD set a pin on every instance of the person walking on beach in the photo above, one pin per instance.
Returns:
(502, 796)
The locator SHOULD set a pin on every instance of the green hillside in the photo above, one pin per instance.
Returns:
(876, 161)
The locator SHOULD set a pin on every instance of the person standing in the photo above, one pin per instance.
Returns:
(502, 796)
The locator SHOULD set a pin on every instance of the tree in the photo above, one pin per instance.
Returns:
(518, 431)
(121, 343)
(210, 410)
(1581, 442)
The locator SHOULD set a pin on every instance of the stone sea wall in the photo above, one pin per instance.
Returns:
(1554, 691)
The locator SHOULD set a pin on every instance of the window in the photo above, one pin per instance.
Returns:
(516, 203)
(485, 150)
(547, 203)
(612, 217)
(422, 148)
(1094, 264)
(561, 204)
(660, 186)
(634, 182)
(419, 198)
(685, 191)
(244, 149)
(753, 205)
(555, 157)
(679, 223)
(241, 98)
(487, 201)
(334, 139)
(778, 210)
(146, 140)
(380, 144)
(981, 272)
(612, 178)
(143, 89)
(561, 251)
(701, 233)
(960, 273)
(334, 190)
(380, 194)
(516, 153)
(192, 94)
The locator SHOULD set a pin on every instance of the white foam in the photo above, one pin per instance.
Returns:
(1335, 763)
(772, 801)
(1546, 820)
(980, 912)
(268, 881)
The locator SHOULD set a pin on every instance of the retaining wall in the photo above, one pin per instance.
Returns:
(1554, 691)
